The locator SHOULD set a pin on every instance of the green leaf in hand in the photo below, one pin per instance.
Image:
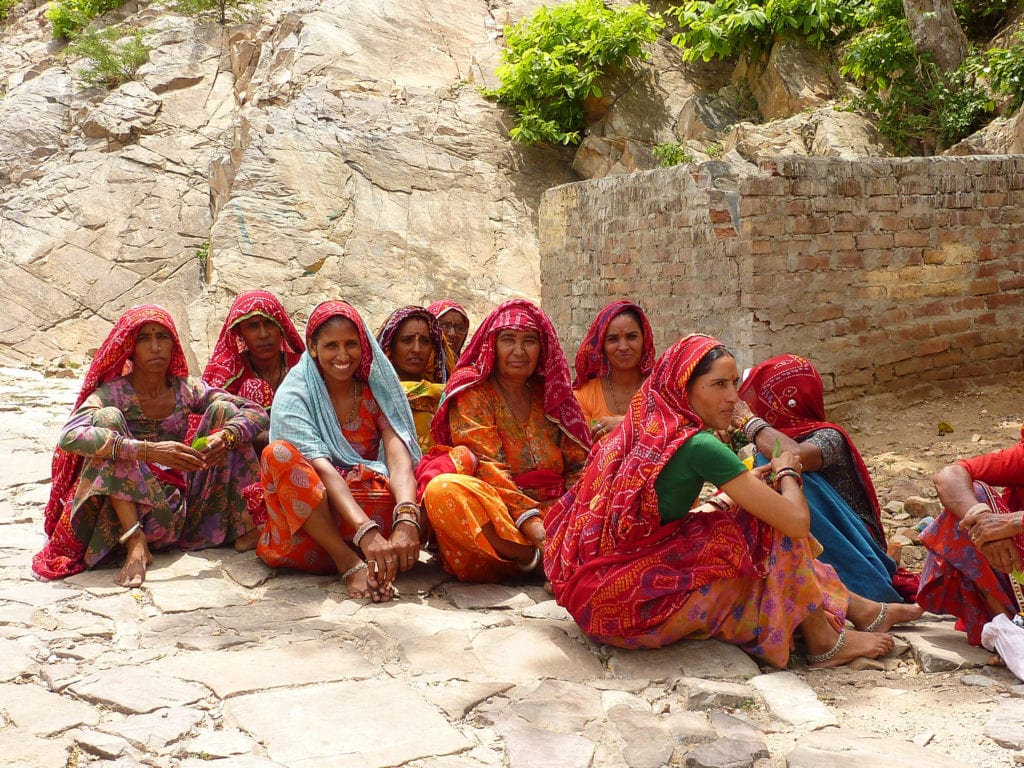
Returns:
(200, 443)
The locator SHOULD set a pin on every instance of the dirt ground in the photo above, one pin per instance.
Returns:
(902, 445)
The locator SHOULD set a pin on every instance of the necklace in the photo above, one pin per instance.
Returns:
(521, 425)
(353, 412)
(616, 406)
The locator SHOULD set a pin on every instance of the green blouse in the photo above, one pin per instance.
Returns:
(702, 458)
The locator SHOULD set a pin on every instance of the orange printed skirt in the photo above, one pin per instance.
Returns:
(293, 489)
(760, 615)
(458, 507)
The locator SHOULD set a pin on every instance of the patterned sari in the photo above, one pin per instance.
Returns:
(425, 395)
(787, 392)
(304, 426)
(100, 456)
(522, 465)
(632, 581)
(956, 578)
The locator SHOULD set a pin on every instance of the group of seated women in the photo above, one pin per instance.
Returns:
(622, 487)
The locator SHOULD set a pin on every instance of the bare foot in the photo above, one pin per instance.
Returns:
(855, 645)
(133, 572)
(247, 540)
(895, 613)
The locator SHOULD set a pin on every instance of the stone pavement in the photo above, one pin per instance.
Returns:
(221, 661)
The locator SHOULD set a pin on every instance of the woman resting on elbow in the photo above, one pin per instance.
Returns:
(335, 504)
(123, 475)
(637, 567)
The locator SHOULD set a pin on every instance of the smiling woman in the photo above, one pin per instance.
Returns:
(124, 479)
(335, 504)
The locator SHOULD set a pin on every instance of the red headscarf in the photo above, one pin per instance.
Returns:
(439, 308)
(592, 362)
(323, 312)
(228, 367)
(786, 391)
(113, 359)
(613, 564)
(477, 362)
(441, 358)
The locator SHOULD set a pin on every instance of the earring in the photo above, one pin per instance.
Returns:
(313, 355)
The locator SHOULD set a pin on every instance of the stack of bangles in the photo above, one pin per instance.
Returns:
(790, 472)
(752, 425)
(230, 438)
(407, 512)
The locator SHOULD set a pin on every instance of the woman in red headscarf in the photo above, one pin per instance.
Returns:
(616, 355)
(454, 322)
(338, 476)
(257, 346)
(509, 403)
(638, 566)
(787, 404)
(123, 477)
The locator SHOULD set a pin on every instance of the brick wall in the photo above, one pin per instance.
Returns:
(887, 273)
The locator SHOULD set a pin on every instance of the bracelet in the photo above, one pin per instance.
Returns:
(410, 521)
(406, 507)
(977, 509)
(527, 515)
(115, 446)
(753, 426)
(128, 534)
(718, 502)
(229, 437)
(354, 569)
(364, 529)
(789, 472)
(145, 451)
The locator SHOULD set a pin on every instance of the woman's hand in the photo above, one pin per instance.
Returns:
(740, 413)
(405, 541)
(380, 556)
(215, 452)
(1001, 555)
(985, 527)
(604, 426)
(174, 455)
(786, 459)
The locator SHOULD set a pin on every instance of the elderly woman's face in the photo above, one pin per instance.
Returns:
(516, 354)
(455, 328)
(262, 337)
(154, 346)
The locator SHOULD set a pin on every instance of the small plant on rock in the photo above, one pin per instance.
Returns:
(671, 153)
(554, 60)
(70, 16)
(113, 57)
(223, 10)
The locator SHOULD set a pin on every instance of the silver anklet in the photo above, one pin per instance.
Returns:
(128, 534)
(878, 619)
(354, 569)
(534, 561)
(829, 654)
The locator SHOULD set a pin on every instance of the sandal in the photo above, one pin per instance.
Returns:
(821, 658)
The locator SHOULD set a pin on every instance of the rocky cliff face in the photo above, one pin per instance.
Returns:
(336, 148)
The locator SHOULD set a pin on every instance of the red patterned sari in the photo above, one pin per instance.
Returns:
(632, 581)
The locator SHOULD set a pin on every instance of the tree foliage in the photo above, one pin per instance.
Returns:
(554, 61)
(71, 16)
(113, 58)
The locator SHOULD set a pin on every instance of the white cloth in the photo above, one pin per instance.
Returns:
(1007, 639)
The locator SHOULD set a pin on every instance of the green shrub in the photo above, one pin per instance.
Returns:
(5, 9)
(224, 10)
(70, 16)
(671, 154)
(554, 59)
(720, 29)
(113, 58)
(1004, 68)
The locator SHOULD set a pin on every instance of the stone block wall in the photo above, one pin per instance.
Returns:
(887, 273)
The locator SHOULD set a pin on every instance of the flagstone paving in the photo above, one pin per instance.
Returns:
(219, 660)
